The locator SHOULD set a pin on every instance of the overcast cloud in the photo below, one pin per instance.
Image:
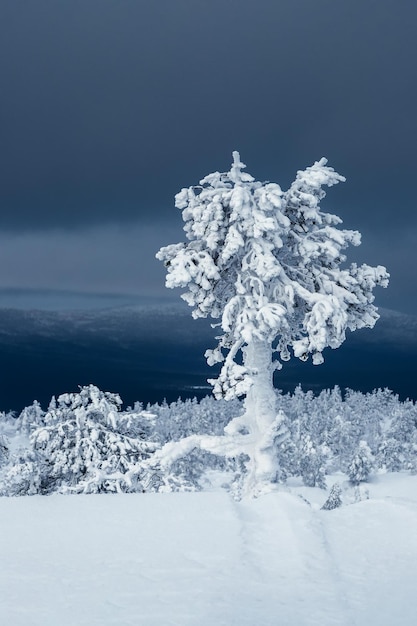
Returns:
(108, 108)
(119, 261)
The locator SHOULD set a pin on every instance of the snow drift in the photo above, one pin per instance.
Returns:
(198, 559)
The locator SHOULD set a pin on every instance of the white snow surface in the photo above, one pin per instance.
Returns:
(203, 559)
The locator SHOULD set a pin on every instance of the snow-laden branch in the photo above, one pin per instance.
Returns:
(269, 265)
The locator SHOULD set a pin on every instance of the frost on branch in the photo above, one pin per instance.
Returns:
(267, 265)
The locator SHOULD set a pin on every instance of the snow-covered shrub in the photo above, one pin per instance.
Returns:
(182, 419)
(7, 429)
(82, 448)
(312, 462)
(24, 474)
(386, 425)
(390, 457)
(334, 499)
(361, 465)
(403, 430)
(31, 418)
(186, 473)
(287, 452)
(172, 422)
(84, 442)
(4, 450)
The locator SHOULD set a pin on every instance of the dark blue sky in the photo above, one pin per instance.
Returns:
(108, 108)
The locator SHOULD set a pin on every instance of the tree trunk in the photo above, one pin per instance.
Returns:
(261, 418)
(260, 402)
(256, 433)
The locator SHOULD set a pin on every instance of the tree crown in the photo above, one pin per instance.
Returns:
(267, 264)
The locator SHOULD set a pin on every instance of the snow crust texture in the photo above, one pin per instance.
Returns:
(198, 559)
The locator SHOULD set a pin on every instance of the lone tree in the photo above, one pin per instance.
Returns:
(267, 265)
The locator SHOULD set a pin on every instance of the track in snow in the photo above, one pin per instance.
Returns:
(199, 559)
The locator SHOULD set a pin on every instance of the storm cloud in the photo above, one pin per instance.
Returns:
(107, 109)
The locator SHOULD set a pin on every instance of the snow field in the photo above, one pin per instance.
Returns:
(202, 559)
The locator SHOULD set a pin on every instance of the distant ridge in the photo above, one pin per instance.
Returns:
(152, 316)
(153, 350)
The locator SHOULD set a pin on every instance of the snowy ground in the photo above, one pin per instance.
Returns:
(202, 559)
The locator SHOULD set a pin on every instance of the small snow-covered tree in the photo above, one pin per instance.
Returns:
(334, 501)
(267, 264)
(4, 450)
(84, 444)
(23, 475)
(30, 419)
(361, 465)
(312, 464)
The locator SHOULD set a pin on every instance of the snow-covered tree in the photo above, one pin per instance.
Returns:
(24, 475)
(267, 264)
(4, 450)
(30, 419)
(312, 464)
(361, 465)
(334, 500)
(84, 445)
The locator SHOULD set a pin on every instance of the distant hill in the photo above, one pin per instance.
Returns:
(154, 351)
